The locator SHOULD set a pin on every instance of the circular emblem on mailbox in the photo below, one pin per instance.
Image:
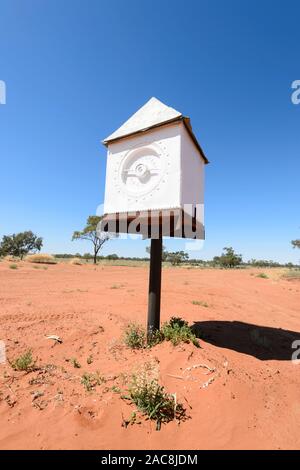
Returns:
(142, 170)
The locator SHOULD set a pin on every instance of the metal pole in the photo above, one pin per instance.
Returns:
(154, 286)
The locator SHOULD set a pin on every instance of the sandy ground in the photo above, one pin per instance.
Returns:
(250, 399)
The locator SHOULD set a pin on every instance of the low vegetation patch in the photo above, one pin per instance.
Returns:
(90, 381)
(135, 336)
(42, 258)
(263, 276)
(152, 400)
(24, 362)
(176, 330)
(292, 274)
(13, 266)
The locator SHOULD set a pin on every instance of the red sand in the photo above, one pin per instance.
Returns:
(253, 400)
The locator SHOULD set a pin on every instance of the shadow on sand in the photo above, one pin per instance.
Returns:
(262, 342)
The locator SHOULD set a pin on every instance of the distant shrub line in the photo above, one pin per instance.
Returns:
(214, 263)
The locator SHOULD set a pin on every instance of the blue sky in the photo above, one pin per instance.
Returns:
(75, 70)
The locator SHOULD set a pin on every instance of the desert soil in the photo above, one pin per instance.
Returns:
(249, 398)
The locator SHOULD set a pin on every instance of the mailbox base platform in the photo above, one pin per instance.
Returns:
(155, 224)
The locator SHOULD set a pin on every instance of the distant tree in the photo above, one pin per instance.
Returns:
(228, 259)
(261, 263)
(163, 255)
(289, 265)
(295, 243)
(20, 244)
(92, 233)
(176, 257)
(112, 256)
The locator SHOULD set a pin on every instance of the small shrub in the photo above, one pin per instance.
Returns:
(24, 362)
(200, 302)
(178, 330)
(41, 258)
(13, 266)
(135, 336)
(156, 337)
(152, 400)
(75, 363)
(263, 276)
(90, 381)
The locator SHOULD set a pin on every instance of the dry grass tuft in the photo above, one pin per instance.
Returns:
(76, 261)
(42, 258)
(10, 258)
(291, 274)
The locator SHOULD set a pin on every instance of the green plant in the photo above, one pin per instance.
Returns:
(90, 381)
(175, 330)
(152, 400)
(177, 257)
(295, 243)
(154, 338)
(228, 259)
(178, 330)
(24, 362)
(75, 363)
(200, 302)
(263, 276)
(135, 336)
(92, 233)
(19, 244)
(13, 266)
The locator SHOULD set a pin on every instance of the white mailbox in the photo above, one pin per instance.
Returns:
(155, 163)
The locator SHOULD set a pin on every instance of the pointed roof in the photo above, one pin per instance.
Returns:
(153, 114)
